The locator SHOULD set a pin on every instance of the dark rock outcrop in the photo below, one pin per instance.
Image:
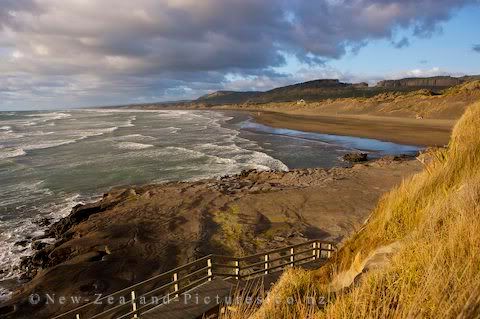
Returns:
(431, 82)
(38, 245)
(81, 213)
(355, 157)
(22, 243)
(43, 222)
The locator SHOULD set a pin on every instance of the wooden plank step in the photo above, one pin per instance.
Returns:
(195, 303)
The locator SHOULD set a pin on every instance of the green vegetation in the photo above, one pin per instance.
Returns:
(233, 232)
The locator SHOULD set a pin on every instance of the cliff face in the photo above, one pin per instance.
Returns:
(318, 90)
(433, 82)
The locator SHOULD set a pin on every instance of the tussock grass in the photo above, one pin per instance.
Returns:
(465, 88)
(296, 296)
(433, 220)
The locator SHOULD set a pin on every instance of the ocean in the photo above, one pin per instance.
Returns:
(51, 161)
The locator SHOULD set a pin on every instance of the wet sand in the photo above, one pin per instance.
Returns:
(425, 132)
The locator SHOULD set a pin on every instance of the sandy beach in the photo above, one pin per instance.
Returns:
(425, 132)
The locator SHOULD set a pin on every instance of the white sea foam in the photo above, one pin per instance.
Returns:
(47, 144)
(16, 194)
(113, 111)
(185, 152)
(23, 147)
(37, 133)
(95, 132)
(135, 137)
(221, 149)
(263, 161)
(173, 130)
(7, 135)
(129, 122)
(186, 155)
(11, 152)
(6, 128)
(19, 229)
(44, 117)
(133, 146)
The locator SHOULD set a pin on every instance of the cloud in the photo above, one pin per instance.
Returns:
(404, 42)
(144, 48)
(476, 48)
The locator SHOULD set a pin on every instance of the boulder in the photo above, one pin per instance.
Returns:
(81, 213)
(43, 222)
(22, 243)
(37, 245)
(355, 157)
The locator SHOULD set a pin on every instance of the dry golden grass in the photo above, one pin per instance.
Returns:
(295, 297)
(469, 87)
(449, 105)
(433, 220)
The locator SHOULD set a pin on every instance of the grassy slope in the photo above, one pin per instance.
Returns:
(319, 90)
(451, 104)
(421, 247)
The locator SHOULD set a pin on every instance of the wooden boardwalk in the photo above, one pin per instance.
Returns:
(194, 303)
(206, 299)
(196, 289)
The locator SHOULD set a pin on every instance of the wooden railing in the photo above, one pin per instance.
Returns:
(135, 300)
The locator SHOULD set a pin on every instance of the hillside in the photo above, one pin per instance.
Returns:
(227, 97)
(311, 90)
(436, 82)
(449, 104)
(416, 256)
(318, 90)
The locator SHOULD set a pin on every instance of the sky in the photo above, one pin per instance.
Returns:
(57, 54)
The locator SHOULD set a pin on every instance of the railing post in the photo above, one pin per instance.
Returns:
(77, 316)
(314, 251)
(237, 269)
(266, 264)
(292, 257)
(134, 304)
(329, 253)
(319, 250)
(209, 269)
(175, 284)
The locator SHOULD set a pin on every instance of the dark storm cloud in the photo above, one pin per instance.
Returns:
(157, 46)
